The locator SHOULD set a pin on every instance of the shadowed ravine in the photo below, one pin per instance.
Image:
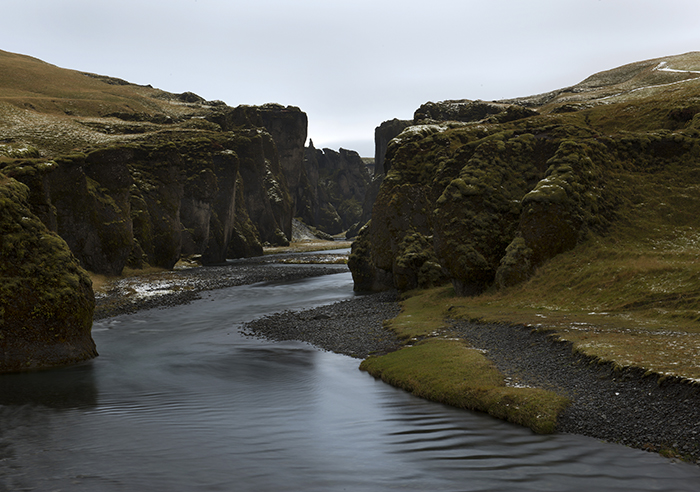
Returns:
(179, 400)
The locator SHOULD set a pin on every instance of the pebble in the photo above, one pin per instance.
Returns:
(354, 327)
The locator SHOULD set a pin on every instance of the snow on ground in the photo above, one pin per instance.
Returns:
(663, 68)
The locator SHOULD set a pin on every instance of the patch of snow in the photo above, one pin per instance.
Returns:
(661, 67)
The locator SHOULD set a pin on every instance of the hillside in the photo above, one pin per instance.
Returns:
(629, 83)
(57, 110)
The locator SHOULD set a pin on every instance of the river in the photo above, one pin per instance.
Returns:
(180, 400)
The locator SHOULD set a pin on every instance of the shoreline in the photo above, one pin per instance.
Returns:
(629, 406)
(175, 287)
(626, 407)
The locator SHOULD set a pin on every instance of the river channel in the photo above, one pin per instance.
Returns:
(180, 400)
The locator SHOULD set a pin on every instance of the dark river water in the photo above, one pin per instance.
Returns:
(179, 400)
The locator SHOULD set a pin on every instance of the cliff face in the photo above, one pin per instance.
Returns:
(152, 202)
(482, 194)
(109, 174)
(46, 299)
(336, 187)
(384, 134)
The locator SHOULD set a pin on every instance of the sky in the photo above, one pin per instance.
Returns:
(350, 65)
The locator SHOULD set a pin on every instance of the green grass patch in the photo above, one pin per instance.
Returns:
(423, 313)
(446, 371)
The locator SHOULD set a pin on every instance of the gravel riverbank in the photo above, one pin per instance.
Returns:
(626, 407)
(171, 288)
(352, 327)
(622, 406)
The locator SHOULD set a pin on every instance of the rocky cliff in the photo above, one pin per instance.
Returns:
(483, 193)
(384, 134)
(98, 173)
(337, 183)
(132, 175)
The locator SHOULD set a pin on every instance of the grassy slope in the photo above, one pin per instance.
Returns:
(58, 111)
(32, 83)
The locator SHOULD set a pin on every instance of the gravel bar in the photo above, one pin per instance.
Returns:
(353, 327)
(624, 406)
(192, 281)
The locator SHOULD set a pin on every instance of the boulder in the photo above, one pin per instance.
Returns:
(46, 299)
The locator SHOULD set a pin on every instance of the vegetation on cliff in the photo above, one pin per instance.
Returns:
(574, 211)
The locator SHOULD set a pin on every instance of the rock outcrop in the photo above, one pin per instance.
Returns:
(211, 187)
(384, 134)
(214, 194)
(46, 299)
(483, 193)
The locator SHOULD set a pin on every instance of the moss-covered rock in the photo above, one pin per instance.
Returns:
(365, 274)
(477, 214)
(267, 197)
(46, 299)
(245, 241)
(496, 203)
(156, 199)
(86, 203)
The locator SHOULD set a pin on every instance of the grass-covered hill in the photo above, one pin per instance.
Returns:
(55, 110)
(576, 211)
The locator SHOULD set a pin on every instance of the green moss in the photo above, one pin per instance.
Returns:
(45, 297)
(448, 372)
(416, 265)
(19, 151)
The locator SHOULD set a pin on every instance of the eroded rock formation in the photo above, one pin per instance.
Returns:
(46, 299)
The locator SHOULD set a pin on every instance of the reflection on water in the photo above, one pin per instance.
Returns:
(180, 401)
(72, 387)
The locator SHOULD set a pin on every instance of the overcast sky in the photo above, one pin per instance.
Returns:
(349, 64)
